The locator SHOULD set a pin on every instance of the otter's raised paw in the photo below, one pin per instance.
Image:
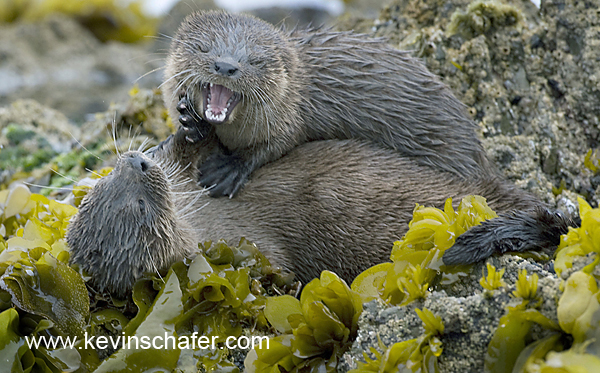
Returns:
(190, 135)
(224, 174)
(191, 121)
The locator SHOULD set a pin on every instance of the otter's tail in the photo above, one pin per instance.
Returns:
(513, 231)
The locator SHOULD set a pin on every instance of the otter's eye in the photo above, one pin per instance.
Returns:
(203, 48)
(142, 205)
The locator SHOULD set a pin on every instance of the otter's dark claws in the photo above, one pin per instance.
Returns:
(185, 121)
(189, 134)
(190, 120)
(224, 174)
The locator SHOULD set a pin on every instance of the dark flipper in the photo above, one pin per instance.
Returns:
(514, 231)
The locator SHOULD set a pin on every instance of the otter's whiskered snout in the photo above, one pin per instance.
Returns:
(138, 162)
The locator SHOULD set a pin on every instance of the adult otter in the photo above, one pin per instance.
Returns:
(265, 91)
(335, 205)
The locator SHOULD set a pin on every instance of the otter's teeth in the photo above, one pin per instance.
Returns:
(215, 118)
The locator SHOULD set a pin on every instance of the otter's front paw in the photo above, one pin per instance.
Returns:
(191, 121)
(189, 135)
(224, 174)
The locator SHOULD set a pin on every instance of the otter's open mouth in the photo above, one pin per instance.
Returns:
(219, 102)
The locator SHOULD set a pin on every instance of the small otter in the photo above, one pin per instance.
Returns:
(262, 91)
(335, 204)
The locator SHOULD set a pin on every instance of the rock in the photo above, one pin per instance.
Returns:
(470, 320)
(521, 81)
(61, 64)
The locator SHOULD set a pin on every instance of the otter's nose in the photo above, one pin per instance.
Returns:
(225, 68)
(138, 163)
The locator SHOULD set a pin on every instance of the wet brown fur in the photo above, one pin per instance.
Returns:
(318, 84)
(336, 205)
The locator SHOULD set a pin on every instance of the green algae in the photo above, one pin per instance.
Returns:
(317, 329)
(526, 286)
(511, 338)
(225, 289)
(158, 321)
(51, 297)
(573, 343)
(216, 294)
(592, 160)
(15, 352)
(580, 241)
(483, 17)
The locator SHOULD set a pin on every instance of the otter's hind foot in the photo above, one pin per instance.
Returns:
(191, 122)
(516, 231)
(224, 174)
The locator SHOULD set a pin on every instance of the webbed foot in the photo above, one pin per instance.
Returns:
(224, 174)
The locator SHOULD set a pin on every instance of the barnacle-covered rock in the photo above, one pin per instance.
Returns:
(517, 68)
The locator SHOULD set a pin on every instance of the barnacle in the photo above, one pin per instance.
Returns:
(493, 280)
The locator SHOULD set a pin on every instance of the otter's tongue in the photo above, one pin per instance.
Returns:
(217, 104)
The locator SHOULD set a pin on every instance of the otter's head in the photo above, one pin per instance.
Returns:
(233, 67)
(127, 225)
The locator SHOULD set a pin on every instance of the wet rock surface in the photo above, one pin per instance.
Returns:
(61, 64)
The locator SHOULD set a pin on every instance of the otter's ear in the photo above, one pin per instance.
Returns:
(516, 231)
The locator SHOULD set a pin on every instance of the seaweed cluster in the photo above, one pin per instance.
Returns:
(35, 279)
(530, 336)
(225, 291)
(316, 330)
